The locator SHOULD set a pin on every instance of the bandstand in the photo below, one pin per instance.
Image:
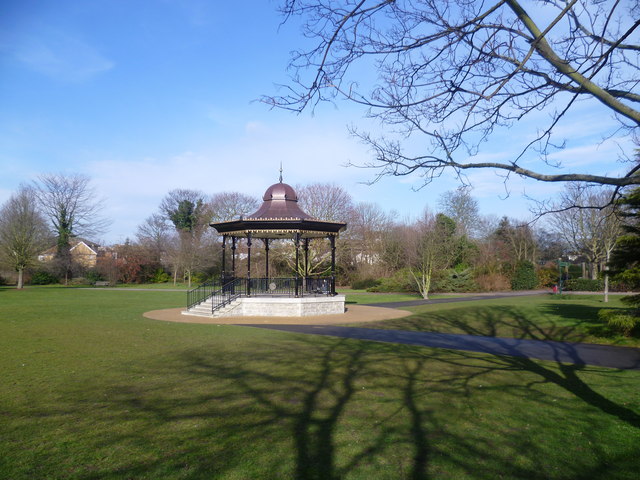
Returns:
(279, 217)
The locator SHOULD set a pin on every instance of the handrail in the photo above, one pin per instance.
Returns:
(201, 293)
(227, 293)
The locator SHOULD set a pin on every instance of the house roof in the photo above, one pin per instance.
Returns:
(74, 242)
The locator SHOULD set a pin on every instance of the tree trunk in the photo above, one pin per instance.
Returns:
(606, 278)
(20, 281)
(594, 270)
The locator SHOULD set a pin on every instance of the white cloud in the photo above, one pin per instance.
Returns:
(250, 164)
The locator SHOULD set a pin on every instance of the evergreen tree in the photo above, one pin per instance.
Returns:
(625, 258)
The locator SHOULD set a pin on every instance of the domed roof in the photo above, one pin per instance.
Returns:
(280, 191)
(279, 201)
(279, 217)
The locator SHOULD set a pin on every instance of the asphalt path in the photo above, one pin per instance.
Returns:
(466, 298)
(564, 352)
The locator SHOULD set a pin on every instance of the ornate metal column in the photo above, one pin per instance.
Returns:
(233, 257)
(296, 240)
(332, 239)
(248, 264)
(306, 257)
(223, 275)
(266, 259)
(305, 270)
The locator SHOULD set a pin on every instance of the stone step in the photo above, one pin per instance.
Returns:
(222, 311)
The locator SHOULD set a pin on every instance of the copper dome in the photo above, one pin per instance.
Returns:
(280, 202)
(279, 217)
(280, 191)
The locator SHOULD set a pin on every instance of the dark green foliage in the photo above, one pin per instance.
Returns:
(455, 280)
(364, 283)
(43, 277)
(631, 300)
(401, 281)
(524, 276)
(467, 252)
(575, 271)
(94, 276)
(445, 225)
(160, 276)
(584, 285)
(186, 216)
(622, 321)
(199, 277)
(625, 259)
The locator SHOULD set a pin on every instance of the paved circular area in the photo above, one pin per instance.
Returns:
(354, 314)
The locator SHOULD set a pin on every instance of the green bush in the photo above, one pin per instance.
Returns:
(584, 285)
(160, 276)
(547, 277)
(42, 277)
(623, 321)
(94, 276)
(524, 277)
(401, 281)
(455, 280)
(365, 283)
(198, 278)
(575, 271)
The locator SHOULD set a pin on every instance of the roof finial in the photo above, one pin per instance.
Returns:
(280, 172)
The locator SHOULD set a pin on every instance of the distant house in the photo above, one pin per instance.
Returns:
(83, 252)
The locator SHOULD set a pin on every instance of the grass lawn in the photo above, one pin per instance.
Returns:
(571, 318)
(92, 390)
(371, 298)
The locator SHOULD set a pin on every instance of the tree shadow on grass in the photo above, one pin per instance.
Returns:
(506, 321)
(311, 407)
(494, 321)
(586, 319)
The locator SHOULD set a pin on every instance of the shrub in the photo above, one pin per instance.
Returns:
(456, 281)
(198, 278)
(160, 276)
(584, 285)
(623, 321)
(94, 276)
(43, 277)
(492, 282)
(401, 281)
(547, 277)
(365, 283)
(524, 277)
(574, 271)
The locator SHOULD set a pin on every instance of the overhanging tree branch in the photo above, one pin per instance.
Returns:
(456, 73)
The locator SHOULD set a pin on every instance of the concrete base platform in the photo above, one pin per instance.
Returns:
(353, 314)
(286, 306)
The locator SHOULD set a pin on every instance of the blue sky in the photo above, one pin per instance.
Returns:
(147, 96)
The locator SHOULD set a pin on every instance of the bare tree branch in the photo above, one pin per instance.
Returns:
(458, 72)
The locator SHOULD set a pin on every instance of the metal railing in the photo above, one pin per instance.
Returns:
(201, 293)
(228, 293)
(222, 295)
